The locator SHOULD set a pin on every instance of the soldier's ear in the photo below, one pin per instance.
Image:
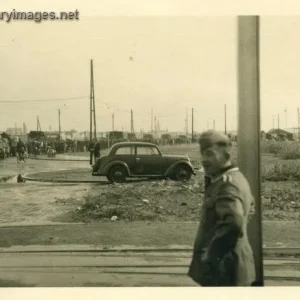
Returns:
(227, 156)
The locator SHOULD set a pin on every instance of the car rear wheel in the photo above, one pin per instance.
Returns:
(117, 174)
(182, 173)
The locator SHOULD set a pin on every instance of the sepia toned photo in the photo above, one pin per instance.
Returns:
(149, 151)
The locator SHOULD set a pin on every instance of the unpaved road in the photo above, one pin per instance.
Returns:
(33, 203)
(10, 167)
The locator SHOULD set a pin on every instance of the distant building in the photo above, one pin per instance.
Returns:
(280, 134)
(14, 131)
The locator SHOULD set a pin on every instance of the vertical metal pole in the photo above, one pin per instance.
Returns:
(285, 118)
(151, 120)
(249, 136)
(225, 119)
(298, 125)
(59, 128)
(91, 112)
(93, 100)
(192, 125)
(187, 121)
(131, 121)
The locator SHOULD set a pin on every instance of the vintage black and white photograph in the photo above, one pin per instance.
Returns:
(149, 150)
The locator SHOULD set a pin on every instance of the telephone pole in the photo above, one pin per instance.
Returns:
(298, 124)
(132, 127)
(92, 111)
(225, 119)
(214, 125)
(59, 128)
(249, 136)
(113, 122)
(192, 125)
(278, 120)
(285, 118)
(38, 125)
(151, 120)
(187, 121)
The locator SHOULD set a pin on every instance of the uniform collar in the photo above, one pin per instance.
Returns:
(211, 179)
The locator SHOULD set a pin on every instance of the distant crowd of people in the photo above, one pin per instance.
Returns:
(37, 147)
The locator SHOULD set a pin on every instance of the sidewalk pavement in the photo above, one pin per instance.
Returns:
(144, 269)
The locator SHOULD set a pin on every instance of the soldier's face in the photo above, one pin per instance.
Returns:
(213, 160)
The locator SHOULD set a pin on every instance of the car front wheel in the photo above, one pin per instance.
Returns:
(182, 173)
(117, 174)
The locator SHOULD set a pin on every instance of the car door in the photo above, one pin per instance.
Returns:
(148, 161)
(127, 155)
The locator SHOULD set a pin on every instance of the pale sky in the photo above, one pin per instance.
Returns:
(177, 63)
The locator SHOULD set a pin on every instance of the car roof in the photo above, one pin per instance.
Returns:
(132, 144)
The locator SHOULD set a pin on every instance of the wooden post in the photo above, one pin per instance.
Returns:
(249, 136)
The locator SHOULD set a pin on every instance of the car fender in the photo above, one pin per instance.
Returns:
(177, 163)
(114, 163)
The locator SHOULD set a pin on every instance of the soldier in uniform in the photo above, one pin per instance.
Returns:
(222, 254)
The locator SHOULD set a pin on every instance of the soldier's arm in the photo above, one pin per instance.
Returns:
(229, 210)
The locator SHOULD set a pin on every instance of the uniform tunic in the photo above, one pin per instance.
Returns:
(222, 254)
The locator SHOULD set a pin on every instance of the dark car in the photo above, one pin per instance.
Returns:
(140, 159)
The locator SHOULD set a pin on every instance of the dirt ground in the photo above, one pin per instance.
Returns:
(164, 200)
(152, 202)
(147, 234)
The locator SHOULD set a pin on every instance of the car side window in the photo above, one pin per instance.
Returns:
(125, 151)
(147, 151)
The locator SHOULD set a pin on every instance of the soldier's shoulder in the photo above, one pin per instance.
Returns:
(234, 177)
